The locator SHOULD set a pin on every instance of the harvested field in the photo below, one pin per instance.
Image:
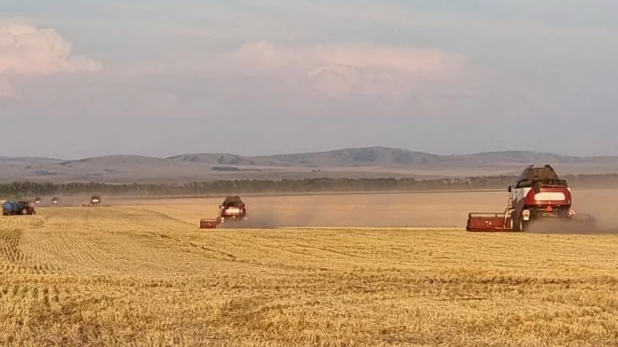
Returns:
(142, 274)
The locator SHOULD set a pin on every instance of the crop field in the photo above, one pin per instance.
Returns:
(341, 270)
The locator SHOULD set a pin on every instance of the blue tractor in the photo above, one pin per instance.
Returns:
(17, 208)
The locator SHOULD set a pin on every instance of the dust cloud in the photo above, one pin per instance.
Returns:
(273, 217)
(600, 204)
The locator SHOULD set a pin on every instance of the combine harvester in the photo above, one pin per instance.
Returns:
(231, 209)
(537, 195)
(95, 201)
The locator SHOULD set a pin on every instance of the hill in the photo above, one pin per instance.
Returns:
(367, 162)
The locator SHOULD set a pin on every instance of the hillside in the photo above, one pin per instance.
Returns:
(351, 162)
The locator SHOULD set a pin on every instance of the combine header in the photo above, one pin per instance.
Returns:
(537, 195)
(231, 209)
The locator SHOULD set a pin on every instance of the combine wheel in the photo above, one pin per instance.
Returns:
(517, 224)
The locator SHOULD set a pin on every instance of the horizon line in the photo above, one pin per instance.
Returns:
(309, 152)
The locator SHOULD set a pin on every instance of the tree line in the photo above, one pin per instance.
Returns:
(309, 185)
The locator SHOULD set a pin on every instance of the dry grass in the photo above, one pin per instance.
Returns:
(144, 275)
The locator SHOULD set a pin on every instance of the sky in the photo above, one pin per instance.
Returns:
(161, 78)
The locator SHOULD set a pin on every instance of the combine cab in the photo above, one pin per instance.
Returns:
(537, 195)
(19, 208)
(231, 209)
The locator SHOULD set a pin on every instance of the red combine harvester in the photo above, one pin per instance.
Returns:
(537, 195)
(231, 209)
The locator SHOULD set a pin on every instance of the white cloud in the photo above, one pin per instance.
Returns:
(28, 51)
(342, 70)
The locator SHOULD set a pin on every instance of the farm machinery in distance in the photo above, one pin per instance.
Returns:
(537, 195)
(95, 201)
(17, 208)
(232, 209)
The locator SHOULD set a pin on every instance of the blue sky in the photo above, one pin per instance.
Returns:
(82, 78)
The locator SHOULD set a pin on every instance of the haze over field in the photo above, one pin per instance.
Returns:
(161, 78)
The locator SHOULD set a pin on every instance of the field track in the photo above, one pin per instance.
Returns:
(142, 274)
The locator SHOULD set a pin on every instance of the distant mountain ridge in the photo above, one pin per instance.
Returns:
(347, 162)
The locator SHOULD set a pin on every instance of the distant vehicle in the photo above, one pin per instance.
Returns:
(16, 208)
(95, 200)
(234, 208)
(231, 209)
